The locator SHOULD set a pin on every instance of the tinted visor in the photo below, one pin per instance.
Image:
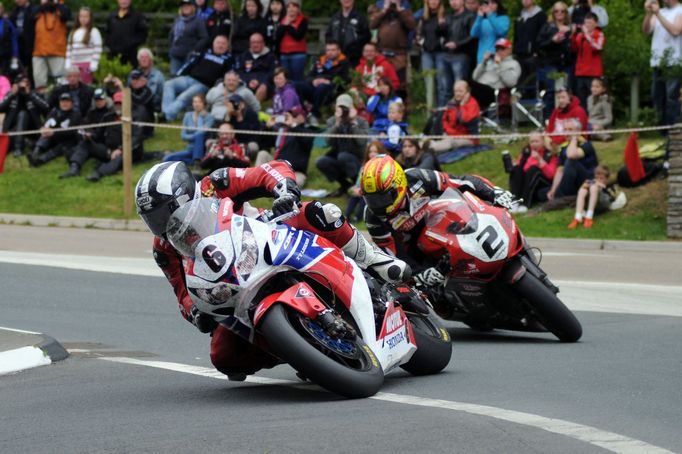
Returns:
(378, 202)
(157, 218)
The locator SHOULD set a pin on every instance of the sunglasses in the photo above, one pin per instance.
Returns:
(560, 11)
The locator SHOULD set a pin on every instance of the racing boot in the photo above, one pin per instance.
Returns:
(372, 259)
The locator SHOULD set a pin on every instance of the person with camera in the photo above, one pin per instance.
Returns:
(343, 160)
(242, 118)
(49, 47)
(23, 109)
(497, 72)
(217, 97)
(54, 141)
(224, 151)
(256, 66)
(350, 28)
(491, 24)
(148, 76)
(580, 8)
(665, 26)
(588, 44)
(126, 30)
(460, 119)
(81, 94)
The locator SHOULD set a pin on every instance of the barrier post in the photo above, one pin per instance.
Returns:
(675, 182)
(126, 120)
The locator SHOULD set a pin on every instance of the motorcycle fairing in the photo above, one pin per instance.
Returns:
(396, 343)
(299, 296)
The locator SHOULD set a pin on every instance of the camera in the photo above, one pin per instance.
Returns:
(235, 105)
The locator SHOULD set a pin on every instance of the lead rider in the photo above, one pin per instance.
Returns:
(165, 187)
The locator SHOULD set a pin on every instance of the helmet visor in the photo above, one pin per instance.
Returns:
(191, 223)
(157, 219)
(379, 202)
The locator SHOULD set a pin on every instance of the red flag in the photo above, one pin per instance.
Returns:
(4, 145)
(632, 160)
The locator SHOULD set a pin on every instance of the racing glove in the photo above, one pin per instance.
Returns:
(287, 197)
(205, 323)
(502, 198)
(430, 277)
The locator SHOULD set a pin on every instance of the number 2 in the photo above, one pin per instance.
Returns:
(486, 239)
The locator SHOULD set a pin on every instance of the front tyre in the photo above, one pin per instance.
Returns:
(434, 346)
(345, 367)
(551, 312)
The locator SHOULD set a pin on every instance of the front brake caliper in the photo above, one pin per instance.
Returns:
(334, 325)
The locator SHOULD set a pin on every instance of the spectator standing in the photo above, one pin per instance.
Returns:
(554, 49)
(601, 196)
(225, 151)
(249, 22)
(23, 18)
(472, 6)
(290, 37)
(567, 112)
(588, 45)
(203, 10)
(491, 24)
(285, 97)
(149, 76)
(413, 155)
(580, 8)
(188, 34)
(378, 104)
(196, 139)
(350, 29)
(49, 48)
(219, 22)
(81, 93)
(126, 30)
(459, 46)
(200, 73)
(320, 84)
(273, 20)
(599, 109)
(256, 66)
(53, 142)
(218, 95)
(460, 119)
(342, 162)
(530, 178)
(9, 44)
(527, 26)
(372, 67)
(577, 161)
(431, 30)
(84, 46)
(23, 109)
(665, 24)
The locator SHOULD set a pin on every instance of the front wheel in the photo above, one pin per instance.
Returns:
(343, 366)
(551, 312)
(434, 346)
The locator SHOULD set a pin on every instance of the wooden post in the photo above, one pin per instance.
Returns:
(634, 99)
(675, 183)
(126, 119)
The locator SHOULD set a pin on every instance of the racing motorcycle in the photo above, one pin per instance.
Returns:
(493, 277)
(337, 326)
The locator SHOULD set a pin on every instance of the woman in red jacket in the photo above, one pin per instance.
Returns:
(459, 119)
(531, 177)
(290, 38)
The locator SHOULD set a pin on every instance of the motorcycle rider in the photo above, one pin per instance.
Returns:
(166, 186)
(396, 199)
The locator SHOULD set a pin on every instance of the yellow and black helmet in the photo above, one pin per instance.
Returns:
(383, 184)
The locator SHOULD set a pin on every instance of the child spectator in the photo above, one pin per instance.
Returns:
(372, 67)
(188, 34)
(568, 110)
(460, 119)
(225, 151)
(588, 44)
(249, 22)
(378, 104)
(273, 20)
(599, 109)
(219, 22)
(356, 203)
(290, 37)
(198, 118)
(285, 97)
(395, 129)
(412, 155)
(577, 161)
(601, 196)
(84, 46)
(491, 24)
(531, 176)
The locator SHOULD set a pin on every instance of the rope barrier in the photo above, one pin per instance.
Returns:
(69, 128)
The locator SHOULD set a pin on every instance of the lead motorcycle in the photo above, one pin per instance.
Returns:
(318, 311)
(493, 278)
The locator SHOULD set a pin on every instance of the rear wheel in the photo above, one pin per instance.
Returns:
(551, 312)
(434, 346)
(344, 366)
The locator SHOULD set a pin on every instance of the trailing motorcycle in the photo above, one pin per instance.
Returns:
(493, 278)
(318, 311)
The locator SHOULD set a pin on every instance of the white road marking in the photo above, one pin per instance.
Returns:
(18, 330)
(121, 265)
(604, 439)
(21, 359)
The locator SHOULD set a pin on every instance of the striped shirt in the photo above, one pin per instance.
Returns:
(77, 52)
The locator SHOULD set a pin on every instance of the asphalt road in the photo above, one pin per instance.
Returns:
(503, 392)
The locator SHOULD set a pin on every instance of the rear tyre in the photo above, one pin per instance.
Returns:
(434, 346)
(551, 312)
(346, 367)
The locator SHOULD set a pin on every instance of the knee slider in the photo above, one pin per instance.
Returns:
(327, 217)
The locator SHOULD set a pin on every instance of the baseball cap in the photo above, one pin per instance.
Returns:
(235, 98)
(344, 100)
(186, 2)
(503, 42)
(65, 96)
(136, 74)
(100, 94)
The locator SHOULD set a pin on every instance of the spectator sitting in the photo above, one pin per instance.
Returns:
(256, 66)
(196, 139)
(5, 86)
(225, 151)
(53, 142)
(601, 196)
(599, 109)
(356, 203)
(350, 29)
(84, 46)
(219, 21)
(49, 49)
(588, 45)
(23, 109)
(285, 97)
(242, 118)
(343, 160)
(188, 34)
(231, 85)
(319, 85)
(577, 161)
(412, 155)
(126, 30)
(273, 20)
(293, 149)
(491, 24)
(200, 73)
(531, 176)
(81, 94)
(249, 22)
(378, 104)
(460, 119)
(149, 76)
(501, 72)
(567, 110)
(395, 129)
(290, 37)
(373, 66)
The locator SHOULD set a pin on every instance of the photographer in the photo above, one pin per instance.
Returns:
(53, 142)
(243, 118)
(23, 109)
(49, 48)
(580, 8)
(216, 98)
(343, 160)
